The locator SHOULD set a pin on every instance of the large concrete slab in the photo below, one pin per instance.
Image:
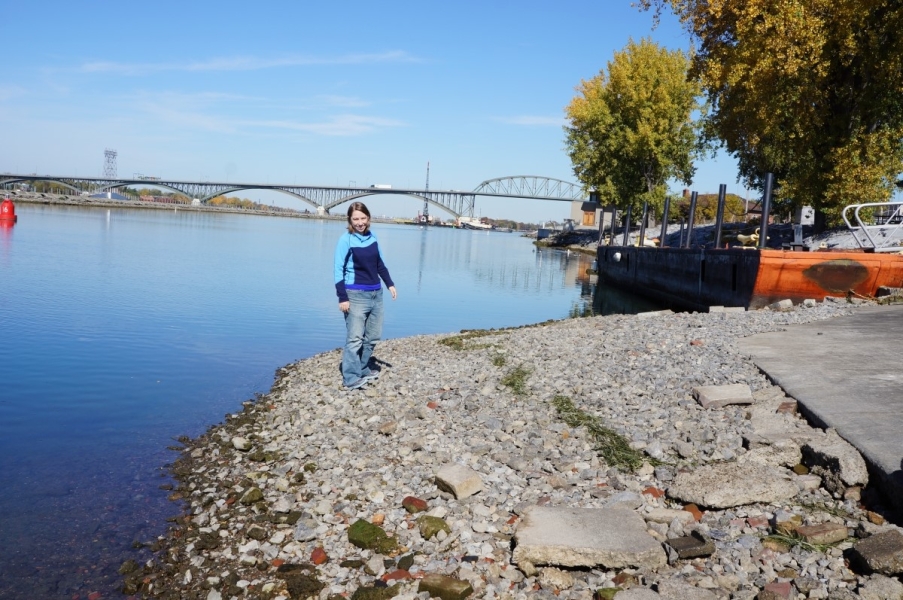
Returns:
(846, 373)
(584, 537)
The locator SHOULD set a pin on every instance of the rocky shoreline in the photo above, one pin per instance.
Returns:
(476, 463)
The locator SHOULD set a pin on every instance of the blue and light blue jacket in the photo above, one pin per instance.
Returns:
(359, 265)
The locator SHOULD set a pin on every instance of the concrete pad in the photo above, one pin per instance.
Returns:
(846, 373)
(613, 538)
(717, 396)
(725, 485)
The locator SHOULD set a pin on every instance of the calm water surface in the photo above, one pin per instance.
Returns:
(121, 330)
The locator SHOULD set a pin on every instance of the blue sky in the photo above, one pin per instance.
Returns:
(350, 93)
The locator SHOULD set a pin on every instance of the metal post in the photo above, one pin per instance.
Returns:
(611, 229)
(690, 218)
(664, 233)
(627, 226)
(601, 226)
(766, 210)
(719, 217)
(680, 241)
(643, 225)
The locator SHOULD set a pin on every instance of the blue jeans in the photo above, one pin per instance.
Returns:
(364, 321)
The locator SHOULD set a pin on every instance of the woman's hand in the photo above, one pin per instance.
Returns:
(393, 292)
(345, 306)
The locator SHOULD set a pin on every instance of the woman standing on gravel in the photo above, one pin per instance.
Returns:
(359, 267)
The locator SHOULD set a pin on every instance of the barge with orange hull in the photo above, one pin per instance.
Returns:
(701, 277)
(697, 278)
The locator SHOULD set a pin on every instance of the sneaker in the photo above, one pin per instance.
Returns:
(357, 384)
(371, 376)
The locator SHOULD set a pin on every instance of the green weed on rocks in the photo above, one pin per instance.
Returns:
(458, 342)
(614, 447)
(516, 380)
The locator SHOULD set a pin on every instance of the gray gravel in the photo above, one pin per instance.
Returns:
(323, 458)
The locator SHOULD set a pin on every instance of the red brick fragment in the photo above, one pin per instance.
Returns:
(696, 342)
(277, 562)
(94, 596)
(781, 589)
(757, 522)
(318, 556)
(654, 492)
(432, 404)
(413, 504)
(823, 533)
(692, 508)
(397, 575)
(788, 407)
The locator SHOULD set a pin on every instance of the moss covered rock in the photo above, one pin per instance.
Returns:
(368, 536)
(430, 526)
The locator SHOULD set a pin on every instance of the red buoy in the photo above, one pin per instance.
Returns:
(8, 211)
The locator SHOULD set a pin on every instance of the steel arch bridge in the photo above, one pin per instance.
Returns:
(457, 202)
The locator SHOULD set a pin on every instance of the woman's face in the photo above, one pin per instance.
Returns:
(359, 221)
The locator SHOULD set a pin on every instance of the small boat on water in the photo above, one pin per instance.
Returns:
(697, 278)
(473, 223)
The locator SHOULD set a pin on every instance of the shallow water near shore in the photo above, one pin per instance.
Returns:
(125, 329)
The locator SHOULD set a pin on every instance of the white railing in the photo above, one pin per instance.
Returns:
(882, 231)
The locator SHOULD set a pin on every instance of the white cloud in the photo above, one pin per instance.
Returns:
(340, 125)
(250, 63)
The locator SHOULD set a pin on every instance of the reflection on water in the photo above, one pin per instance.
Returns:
(124, 329)
(596, 298)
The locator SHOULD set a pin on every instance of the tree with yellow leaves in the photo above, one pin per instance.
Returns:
(631, 129)
(810, 90)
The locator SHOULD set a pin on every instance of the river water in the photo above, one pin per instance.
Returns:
(123, 329)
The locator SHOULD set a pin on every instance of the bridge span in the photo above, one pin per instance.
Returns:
(457, 202)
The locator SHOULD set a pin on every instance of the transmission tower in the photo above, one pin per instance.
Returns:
(426, 204)
(109, 164)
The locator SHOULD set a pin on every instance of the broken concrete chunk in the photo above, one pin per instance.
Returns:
(678, 589)
(638, 594)
(584, 537)
(782, 305)
(550, 577)
(777, 455)
(837, 462)
(459, 480)
(717, 396)
(667, 515)
(725, 485)
(881, 553)
(879, 587)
